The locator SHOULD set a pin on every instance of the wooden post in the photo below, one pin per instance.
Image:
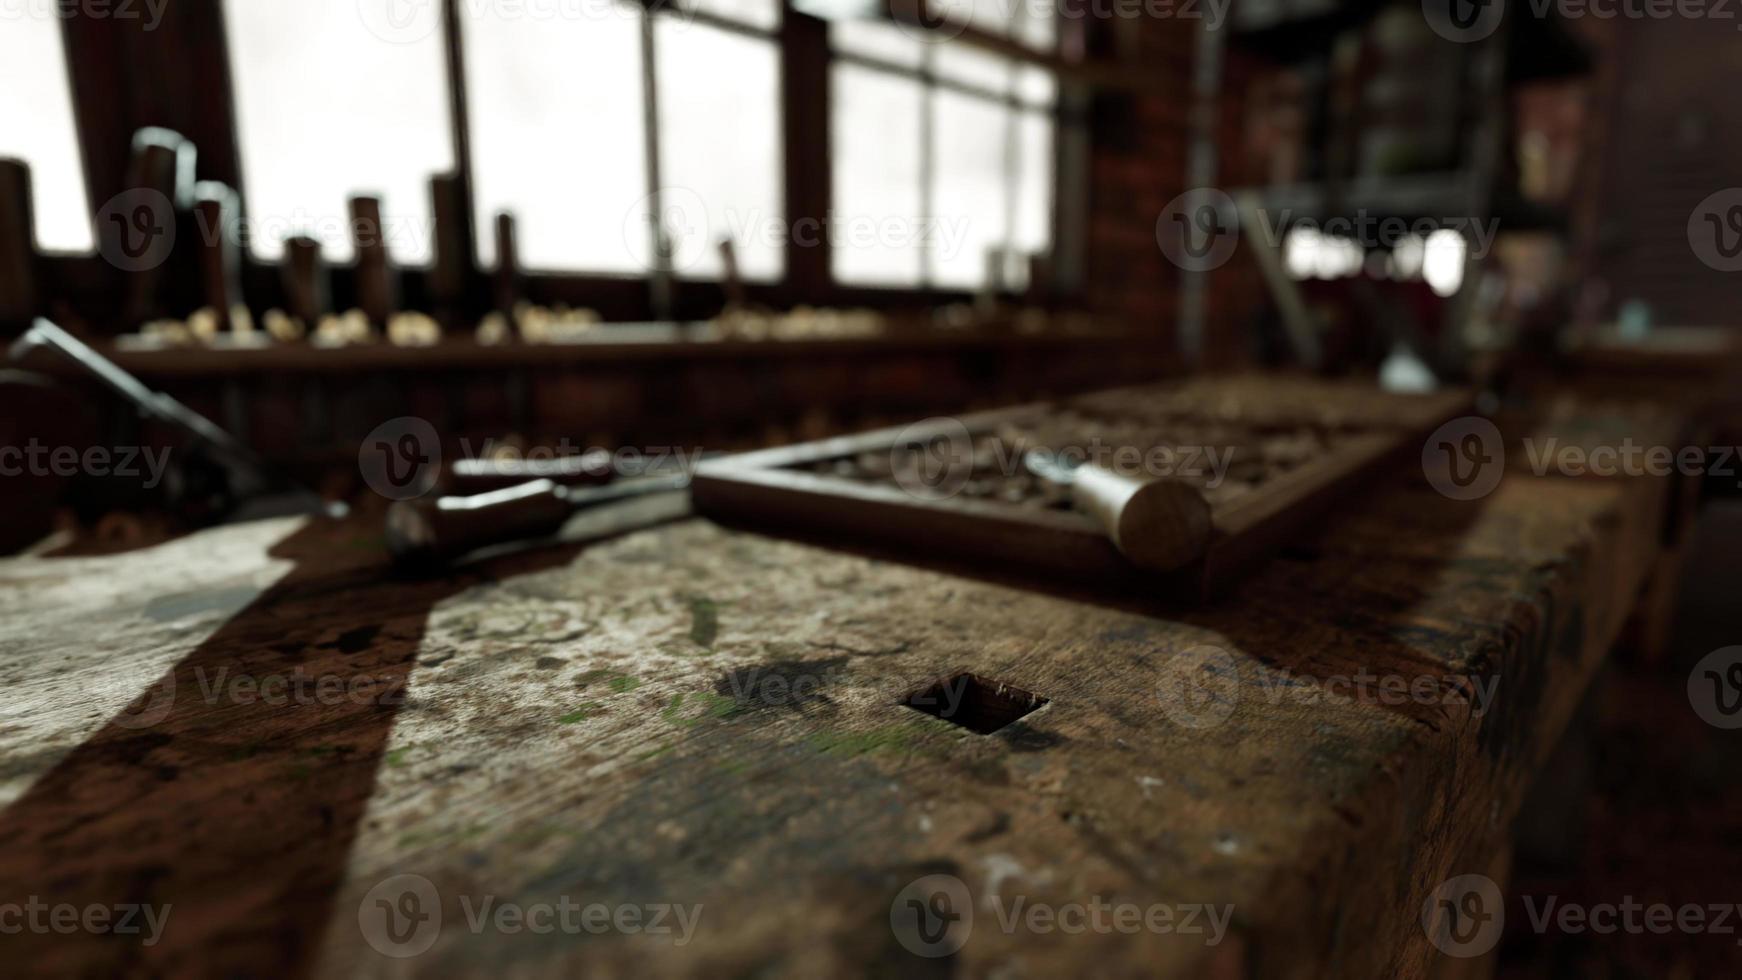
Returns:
(216, 210)
(730, 280)
(451, 267)
(307, 284)
(18, 269)
(377, 287)
(162, 161)
(505, 284)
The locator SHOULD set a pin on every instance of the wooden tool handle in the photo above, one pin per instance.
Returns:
(307, 283)
(18, 275)
(433, 529)
(162, 161)
(1160, 525)
(479, 475)
(505, 281)
(377, 288)
(216, 210)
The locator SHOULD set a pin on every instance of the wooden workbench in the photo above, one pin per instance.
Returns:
(598, 721)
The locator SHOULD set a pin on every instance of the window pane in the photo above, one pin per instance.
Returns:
(1033, 232)
(719, 148)
(971, 198)
(36, 126)
(878, 41)
(1036, 86)
(876, 121)
(1036, 24)
(328, 106)
(757, 13)
(557, 135)
(970, 66)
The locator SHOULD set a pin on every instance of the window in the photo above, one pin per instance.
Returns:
(587, 118)
(719, 147)
(330, 104)
(877, 185)
(942, 153)
(557, 133)
(36, 106)
(559, 121)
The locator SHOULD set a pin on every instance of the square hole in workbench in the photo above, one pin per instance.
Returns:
(976, 703)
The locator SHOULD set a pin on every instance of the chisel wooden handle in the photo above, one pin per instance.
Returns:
(308, 288)
(377, 287)
(480, 475)
(432, 529)
(162, 161)
(1159, 525)
(216, 211)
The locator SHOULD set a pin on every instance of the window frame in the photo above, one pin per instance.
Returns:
(178, 76)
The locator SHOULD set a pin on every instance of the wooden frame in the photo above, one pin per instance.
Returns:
(178, 76)
(762, 490)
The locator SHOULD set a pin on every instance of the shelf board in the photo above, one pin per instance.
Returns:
(607, 345)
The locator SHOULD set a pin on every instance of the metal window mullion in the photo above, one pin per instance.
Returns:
(1012, 174)
(927, 165)
(660, 274)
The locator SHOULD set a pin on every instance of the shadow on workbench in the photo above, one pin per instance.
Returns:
(236, 811)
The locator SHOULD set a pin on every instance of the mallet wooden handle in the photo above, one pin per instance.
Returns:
(429, 530)
(1159, 525)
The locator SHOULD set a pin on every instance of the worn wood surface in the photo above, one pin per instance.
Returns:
(689, 714)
